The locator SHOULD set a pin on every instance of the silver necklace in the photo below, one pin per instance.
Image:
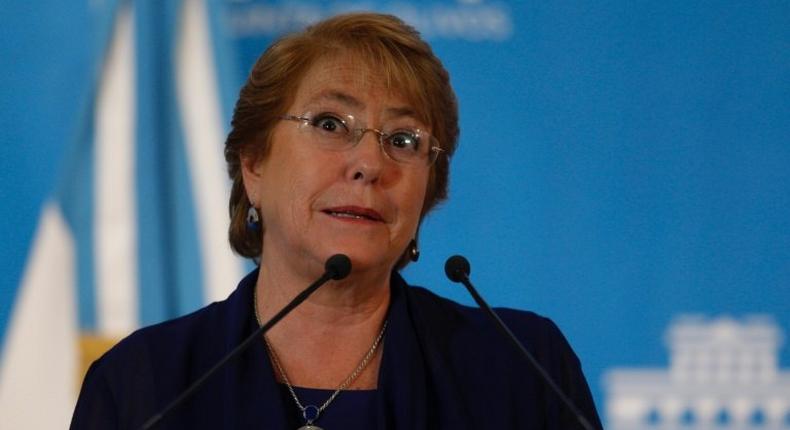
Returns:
(310, 413)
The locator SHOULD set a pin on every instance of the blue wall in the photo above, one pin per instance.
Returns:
(620, 162)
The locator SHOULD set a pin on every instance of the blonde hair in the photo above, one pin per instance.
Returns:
(381, 42)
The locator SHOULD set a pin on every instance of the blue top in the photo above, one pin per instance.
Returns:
(443, 366)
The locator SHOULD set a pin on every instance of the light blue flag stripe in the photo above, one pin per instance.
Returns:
(151, 152)
(225, 58)
(74, 191)
(169, 258)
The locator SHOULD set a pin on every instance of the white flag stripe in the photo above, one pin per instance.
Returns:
(38, 371)
(202, 124)
(115, 228)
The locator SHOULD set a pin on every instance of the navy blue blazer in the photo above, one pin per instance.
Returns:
(444, 366)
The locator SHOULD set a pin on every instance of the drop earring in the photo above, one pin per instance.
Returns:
(253, 219)
(414, 251)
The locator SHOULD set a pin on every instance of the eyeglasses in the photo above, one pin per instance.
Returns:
(338, 132)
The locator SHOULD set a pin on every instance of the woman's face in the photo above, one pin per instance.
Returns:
(316, 202)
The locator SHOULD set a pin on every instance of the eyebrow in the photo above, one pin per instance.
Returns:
(353, 102)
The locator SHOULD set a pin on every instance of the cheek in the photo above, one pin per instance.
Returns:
(298, 195)
(304, 180)
(412, 202)
(279, 188)
(418, 200)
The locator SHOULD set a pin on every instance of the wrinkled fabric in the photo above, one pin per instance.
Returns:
(444, 366)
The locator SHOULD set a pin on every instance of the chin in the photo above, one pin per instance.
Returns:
(363, 259)
(367, 252)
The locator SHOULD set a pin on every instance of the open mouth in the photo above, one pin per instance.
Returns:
(354, 213)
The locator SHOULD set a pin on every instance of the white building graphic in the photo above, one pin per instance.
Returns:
(723, 374)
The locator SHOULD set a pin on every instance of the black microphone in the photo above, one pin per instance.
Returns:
(336, 267)
(457, 269)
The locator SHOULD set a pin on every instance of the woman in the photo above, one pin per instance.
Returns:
(341, 143)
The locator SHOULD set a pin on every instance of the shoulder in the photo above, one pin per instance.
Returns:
(465, 340)
(176, 336)
(130, 381)
(469, 335)
(181, 336)
(534, 330)
(153, 364)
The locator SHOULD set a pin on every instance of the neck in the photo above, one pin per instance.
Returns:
(337, 302)
(340, 320)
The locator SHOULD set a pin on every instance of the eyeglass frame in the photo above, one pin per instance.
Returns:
(355, 136)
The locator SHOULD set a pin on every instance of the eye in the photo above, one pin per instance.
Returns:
(329, 123)
(404, 140)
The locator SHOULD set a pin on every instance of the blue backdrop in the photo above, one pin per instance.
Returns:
(620, 163)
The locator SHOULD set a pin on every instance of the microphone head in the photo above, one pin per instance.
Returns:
(338, 266)
(457, 268)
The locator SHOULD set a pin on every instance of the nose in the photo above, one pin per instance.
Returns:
(367, 157)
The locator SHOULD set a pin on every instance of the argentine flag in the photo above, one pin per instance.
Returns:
(136, 231)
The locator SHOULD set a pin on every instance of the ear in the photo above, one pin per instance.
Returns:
(251, 175)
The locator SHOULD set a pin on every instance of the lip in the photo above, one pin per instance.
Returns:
(354, 213)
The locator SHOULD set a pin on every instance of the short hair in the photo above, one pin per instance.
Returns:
(381, 42)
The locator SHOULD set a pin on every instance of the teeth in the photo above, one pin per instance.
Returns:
(348, 215)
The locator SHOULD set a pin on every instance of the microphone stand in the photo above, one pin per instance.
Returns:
(457, 269)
